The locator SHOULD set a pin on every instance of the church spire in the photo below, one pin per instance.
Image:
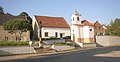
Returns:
(75, 18)
(76, 13)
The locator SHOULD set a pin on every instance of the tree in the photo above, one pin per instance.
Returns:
(114, 27)
(1, 11)
(28, 17)
(30, 21)
(17, 26)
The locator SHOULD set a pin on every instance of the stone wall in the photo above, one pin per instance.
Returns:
(4, 35)
(108, 40)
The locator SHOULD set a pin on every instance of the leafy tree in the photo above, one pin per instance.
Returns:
(114, 27)
(28, 17)
(1, 11)
(30, 21)
(17, 25)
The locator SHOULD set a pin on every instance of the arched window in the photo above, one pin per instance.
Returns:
(77, 18)
(73, 18)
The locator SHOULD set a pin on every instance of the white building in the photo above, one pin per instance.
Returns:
(51, 27)
(82, 32)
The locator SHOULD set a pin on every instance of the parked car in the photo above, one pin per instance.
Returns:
(67, 38)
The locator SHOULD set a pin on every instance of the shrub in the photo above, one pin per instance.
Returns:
(13, 43)
(51, 38)
(64, 43)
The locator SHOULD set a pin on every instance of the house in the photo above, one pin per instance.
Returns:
(50, 27)
(5, 35)
(82, 32)
(99, 28)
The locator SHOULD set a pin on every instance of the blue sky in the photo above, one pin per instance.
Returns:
(92, 10)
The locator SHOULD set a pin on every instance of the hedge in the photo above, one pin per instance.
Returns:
(13, 43)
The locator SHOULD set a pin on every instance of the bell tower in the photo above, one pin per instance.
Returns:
(76, 18)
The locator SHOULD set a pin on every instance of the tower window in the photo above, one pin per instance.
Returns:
(78, 18)
(73, 18)
(90, 29)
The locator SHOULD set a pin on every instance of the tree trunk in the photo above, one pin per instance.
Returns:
(20, 33)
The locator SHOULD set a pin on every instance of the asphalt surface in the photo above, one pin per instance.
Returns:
(106, 54)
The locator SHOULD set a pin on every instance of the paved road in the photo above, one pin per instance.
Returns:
(107, 54)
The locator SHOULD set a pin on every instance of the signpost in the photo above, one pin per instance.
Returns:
(30, 43)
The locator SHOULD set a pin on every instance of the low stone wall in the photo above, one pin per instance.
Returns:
(108, 40)
(16, 50)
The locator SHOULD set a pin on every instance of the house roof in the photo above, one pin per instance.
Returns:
(4, 18)
(97, 24)
(85, 22)
(55, 22)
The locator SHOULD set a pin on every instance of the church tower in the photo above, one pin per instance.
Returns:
(76, 18)
(82, 33)
(75, 29)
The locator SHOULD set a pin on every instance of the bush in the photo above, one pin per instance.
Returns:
(64, 43)
(13, 43)
(51, 38)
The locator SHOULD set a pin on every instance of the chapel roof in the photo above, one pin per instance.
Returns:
(54, 22)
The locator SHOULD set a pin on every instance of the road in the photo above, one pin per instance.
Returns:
(106, 54)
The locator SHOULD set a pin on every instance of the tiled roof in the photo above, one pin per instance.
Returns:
(4, 18)
(55, 22)
(85, 22)
(97, 24)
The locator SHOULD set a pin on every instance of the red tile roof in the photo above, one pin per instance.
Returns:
(4, 18)
(55, 22)
(85, 22)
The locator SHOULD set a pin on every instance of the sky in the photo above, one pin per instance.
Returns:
(91, 10)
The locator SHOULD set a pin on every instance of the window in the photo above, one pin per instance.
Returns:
(6, 38)
(46, 34)
(77, 18)
(73, 18)
(99, 27)
(56, 34)
(90, 29)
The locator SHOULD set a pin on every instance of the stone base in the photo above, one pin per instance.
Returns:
(44, 50)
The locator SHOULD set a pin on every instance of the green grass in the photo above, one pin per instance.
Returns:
(13, 43)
